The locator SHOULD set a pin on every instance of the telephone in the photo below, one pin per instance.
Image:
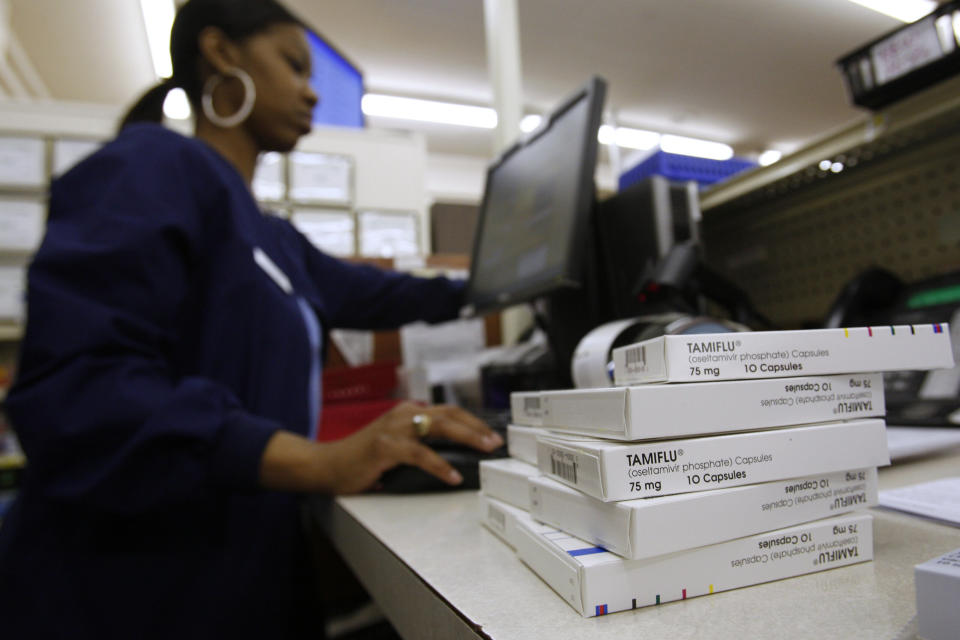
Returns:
(878, 297)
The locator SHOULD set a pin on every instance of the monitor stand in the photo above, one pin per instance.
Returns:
(567, 315)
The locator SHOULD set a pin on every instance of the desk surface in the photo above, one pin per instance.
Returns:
(437, 573)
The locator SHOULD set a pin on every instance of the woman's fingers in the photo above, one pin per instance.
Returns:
(394, 438)
(456, 424)
(402, 450)
(465, 417)
(445, 421)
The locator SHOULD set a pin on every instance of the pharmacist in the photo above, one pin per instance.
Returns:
(169, 377)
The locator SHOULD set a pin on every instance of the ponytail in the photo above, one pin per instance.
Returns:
(149, 108)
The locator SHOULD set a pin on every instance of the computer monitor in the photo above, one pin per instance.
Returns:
(535, 239)
(638, 226)
(338, 82)
(536, 209)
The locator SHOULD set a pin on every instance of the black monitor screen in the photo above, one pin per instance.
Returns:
(536, 208)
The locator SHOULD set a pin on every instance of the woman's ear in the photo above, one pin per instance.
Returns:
(217, 50)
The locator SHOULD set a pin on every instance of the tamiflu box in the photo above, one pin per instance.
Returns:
(596, 582)
(645, 412)
(649, 527)
(938, 592)
(522, 442)
(611, 470)
(501, 518)
(506, 479)
(778, 354)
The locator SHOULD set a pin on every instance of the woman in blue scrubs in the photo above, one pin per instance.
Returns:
(168, 385)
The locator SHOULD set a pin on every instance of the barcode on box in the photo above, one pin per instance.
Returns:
(636, 358)
(531, 405)
(496, 517)
(566, 469)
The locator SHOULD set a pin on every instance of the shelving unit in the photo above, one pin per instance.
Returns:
(372, 170)
(792, 234)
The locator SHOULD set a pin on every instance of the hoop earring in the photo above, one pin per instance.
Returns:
(249, 97)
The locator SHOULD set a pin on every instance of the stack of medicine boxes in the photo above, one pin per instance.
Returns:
(668, 486)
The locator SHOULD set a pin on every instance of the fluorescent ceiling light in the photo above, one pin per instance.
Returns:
(158, 21)
(530, 122)
(903, 10)
(378, 105)
(768, 157)
(636, 138)
(428, 111)
(628, 138)
(606, 134)
(176, 106)
(697, 148)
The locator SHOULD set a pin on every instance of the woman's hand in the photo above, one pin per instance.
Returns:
(355, 463)
(393, 439)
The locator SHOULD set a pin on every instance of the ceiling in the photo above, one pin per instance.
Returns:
(755, 74)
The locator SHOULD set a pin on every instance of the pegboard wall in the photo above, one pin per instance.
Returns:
(794, 243)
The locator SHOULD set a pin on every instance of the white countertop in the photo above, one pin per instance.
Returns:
(439, 541)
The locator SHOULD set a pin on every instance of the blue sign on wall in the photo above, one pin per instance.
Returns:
(338, 83)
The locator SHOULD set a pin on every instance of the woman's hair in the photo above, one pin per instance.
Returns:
(238, 19)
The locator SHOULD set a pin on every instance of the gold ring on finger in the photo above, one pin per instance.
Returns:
(421, 424)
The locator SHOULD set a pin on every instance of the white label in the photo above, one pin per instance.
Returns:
(12, 285)
(330, 231)
(268, 182)
(67, 153)
(910, 49)
(21, 224)
(388, 235)
(320, 177)
(22, 162)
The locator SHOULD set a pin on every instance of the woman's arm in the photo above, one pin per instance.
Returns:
(358, 296)
(104, 415)
(354, 464)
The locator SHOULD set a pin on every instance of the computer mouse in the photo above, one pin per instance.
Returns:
(409, 479)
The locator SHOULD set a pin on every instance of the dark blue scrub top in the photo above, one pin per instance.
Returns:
(165, 344)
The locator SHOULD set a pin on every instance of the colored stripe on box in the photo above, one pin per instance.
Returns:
(586, 552)
(937, 328)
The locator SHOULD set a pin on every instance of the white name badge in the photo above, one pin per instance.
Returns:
(271, 269)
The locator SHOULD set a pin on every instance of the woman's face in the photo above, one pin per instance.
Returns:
(279, 62)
